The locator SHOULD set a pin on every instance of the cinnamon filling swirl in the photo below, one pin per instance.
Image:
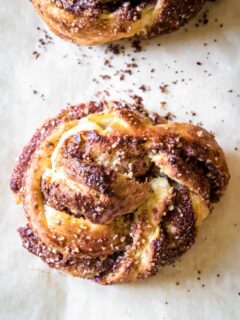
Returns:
(111, 192)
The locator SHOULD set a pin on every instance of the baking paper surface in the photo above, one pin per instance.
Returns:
(205, 62)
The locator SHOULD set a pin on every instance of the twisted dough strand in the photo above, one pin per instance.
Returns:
(112, 192)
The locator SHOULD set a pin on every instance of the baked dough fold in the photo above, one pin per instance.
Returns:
(99, 21)
(112, 192)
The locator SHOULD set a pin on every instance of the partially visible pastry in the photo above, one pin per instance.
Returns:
(99, 21)
(112, 192)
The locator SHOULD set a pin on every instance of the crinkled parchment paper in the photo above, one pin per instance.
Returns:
(37, 78)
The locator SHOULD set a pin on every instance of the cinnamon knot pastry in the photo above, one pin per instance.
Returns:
(112, 192)
(98, 21)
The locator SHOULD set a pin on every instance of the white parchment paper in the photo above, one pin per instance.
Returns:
(202, 68)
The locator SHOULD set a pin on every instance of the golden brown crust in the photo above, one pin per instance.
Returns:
(99, 21)
(112, 192)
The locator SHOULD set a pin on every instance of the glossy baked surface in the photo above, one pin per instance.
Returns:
(111, 192)
(99, 21)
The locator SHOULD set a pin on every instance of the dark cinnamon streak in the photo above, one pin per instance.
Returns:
(173, 243)
(96, 21)
(105, 178)
(74, 112)
(97, 7)
(89, 266)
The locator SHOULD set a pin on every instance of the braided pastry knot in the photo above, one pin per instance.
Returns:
(111, 192)
(98, 21)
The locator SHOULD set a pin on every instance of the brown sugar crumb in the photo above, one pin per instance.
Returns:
(136, 44)
(43, 42)
(106, 92)
(115, 48)
(42, 97)
(163, 104)
(98, 94)
(169, 116)
(164, 88)
(144, 88)
(95, 80)
(108, 63)
(127, 71)
(105, 77)
(203, 20)
(132, 65)
(137, 99)
(36, 54)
